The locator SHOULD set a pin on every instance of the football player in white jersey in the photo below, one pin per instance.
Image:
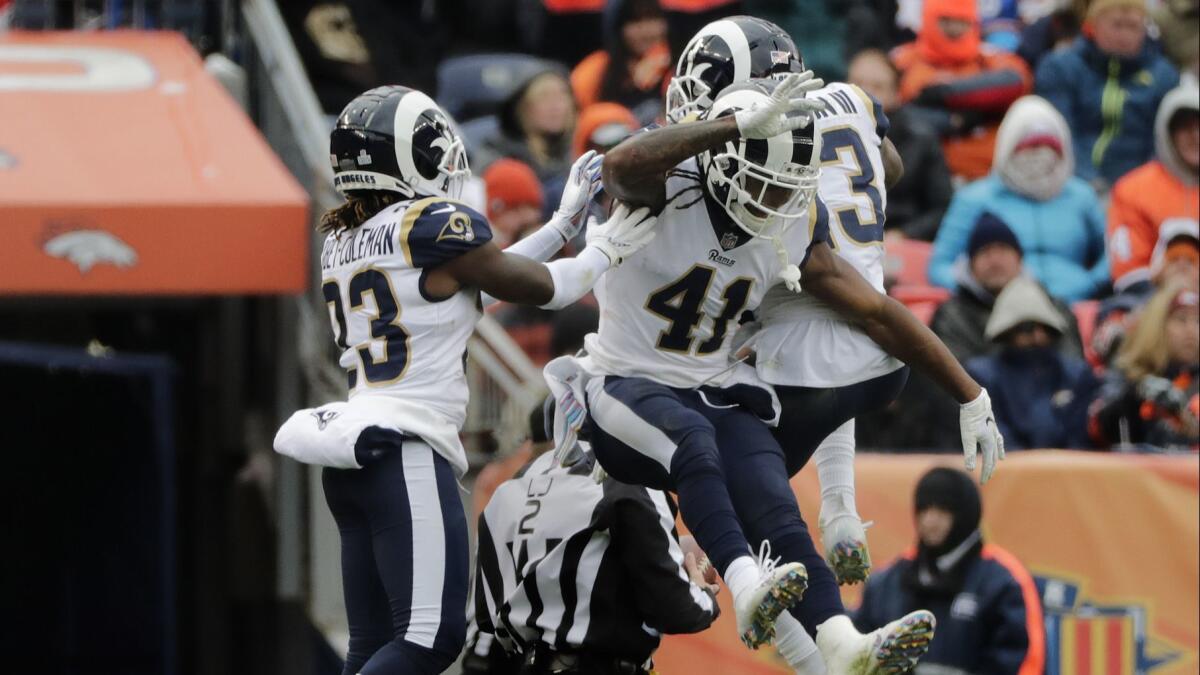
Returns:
(756, 192)
(403, 267)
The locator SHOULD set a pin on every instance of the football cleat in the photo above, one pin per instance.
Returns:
(779, 587)
(894, 649)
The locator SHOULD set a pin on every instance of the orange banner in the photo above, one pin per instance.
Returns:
(125, 168)
(1112, 540)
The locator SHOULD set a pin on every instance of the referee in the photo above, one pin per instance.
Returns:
(573, 576)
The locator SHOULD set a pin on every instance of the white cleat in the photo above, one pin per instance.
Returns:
(779, 587)
(891, 650)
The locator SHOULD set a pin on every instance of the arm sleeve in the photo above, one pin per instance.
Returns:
(951, 241)
(992, 91)
(1131, 239)
(643, 536)
(574, 277)
(540, 246)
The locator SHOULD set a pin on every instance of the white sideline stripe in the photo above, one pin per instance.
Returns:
(428, 544)
(617, 420)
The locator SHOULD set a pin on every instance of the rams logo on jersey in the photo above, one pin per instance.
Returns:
(457, 227)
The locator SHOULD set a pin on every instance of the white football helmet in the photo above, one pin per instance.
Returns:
(762, 182)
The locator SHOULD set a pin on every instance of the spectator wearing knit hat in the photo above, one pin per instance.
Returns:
(1055, 215)
(1108, 85)
(1040, 395)
(963, 85)
(989, 617)
(514, 200)
(994, 259)
(602, 126)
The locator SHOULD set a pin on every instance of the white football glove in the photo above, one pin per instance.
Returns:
(787, 110)
(977, 425)
(626, 232)
(583, 182)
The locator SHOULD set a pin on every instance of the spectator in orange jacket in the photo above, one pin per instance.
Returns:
(635, 59)
(963, 85)
(1165, 188)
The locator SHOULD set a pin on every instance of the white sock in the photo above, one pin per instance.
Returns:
(836, 629)
(796, 647)
(741, 576)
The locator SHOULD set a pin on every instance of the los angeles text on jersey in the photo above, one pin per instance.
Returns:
(362, 242)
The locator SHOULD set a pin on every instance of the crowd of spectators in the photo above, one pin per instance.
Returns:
(1051, 148)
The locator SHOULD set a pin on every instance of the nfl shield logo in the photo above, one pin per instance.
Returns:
(728, 240)
(780, 58)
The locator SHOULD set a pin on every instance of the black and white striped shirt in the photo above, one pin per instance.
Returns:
(574, 564)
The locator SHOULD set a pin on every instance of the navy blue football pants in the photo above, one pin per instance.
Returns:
(810, 414)
(404, 557)
(649, 434)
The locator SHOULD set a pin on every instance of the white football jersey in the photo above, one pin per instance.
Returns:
(669, 312)
(803, 342)
(395, 339)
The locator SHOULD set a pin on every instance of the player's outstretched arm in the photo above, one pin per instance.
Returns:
(900, 334)
(636, 170)
(515, 278)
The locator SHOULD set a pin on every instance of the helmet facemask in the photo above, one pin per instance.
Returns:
(453, 166)
(687, 95)
(754, 195)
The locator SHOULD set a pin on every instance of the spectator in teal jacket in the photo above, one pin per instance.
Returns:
(1055, 215)
(1108, 85)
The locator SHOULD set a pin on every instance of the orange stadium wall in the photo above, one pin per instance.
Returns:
(1112, 540)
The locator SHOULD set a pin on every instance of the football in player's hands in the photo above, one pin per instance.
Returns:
(707, 573)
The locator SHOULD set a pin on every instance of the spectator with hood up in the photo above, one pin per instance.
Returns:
(1164, 189)
(964, 86)
(635, 60)
(1056, 216)
(1040, 395)
(993, 261)
(1152, 396)
(989, 615)
(1108, 84)
(536, 126)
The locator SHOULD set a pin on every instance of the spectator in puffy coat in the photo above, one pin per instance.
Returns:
(1056, 216)
(917, 203)
(1152, 396)
(993, 261)
(1040, 396)
(962, 85)
(1108, 85)
(989, 615)
(1163, 190)
(633, 64)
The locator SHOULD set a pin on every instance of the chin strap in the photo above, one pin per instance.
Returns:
(790, 274)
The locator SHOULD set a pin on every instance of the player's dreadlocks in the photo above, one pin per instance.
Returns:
(360, 207)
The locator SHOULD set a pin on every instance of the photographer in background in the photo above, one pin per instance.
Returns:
(1152, 396)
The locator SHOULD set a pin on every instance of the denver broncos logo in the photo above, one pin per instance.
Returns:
(88, 248)
(457, 227)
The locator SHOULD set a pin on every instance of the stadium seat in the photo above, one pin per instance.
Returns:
(908, 261)
(1085, 314)
(912, 294)
(474, 86)
(476, 131)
